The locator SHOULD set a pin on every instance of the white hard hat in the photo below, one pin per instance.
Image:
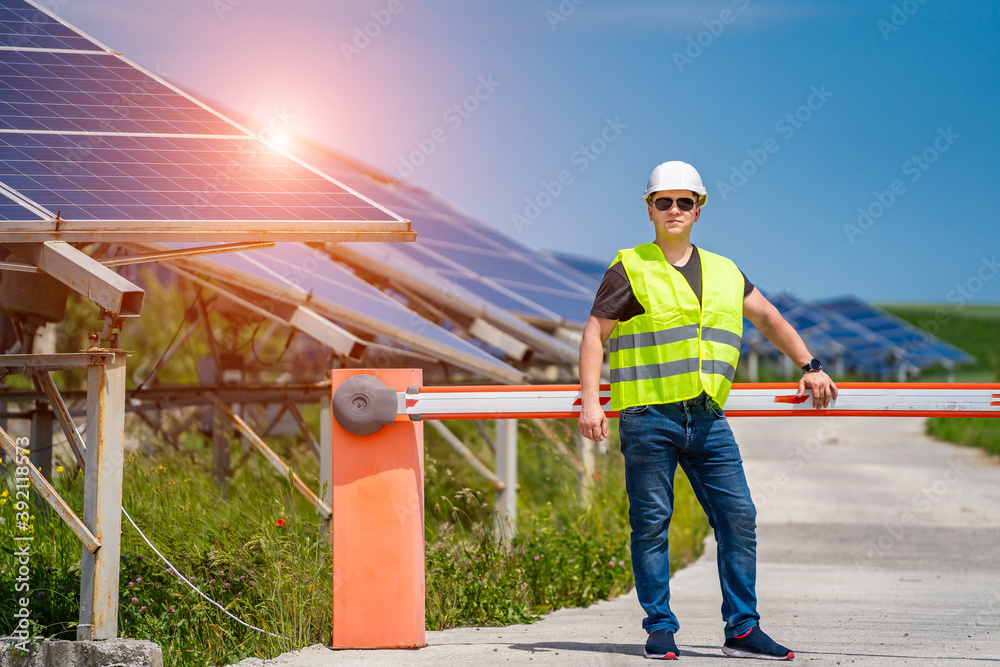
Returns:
(676, 175)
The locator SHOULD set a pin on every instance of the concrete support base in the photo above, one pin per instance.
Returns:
(100, 653)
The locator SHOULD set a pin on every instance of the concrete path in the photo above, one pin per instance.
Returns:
(877, 546)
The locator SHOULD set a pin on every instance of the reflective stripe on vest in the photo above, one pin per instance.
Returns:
(677, 348)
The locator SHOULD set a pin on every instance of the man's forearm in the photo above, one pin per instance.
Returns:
(591, 360)
(786, 339)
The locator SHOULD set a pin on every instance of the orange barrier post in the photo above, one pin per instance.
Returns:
(378, 528)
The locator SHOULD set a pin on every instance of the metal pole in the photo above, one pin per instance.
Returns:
(41, 444)
(102, 497)
(506, 499)
(753, 365)
(326, 456)
(221, 456)
(587, 477)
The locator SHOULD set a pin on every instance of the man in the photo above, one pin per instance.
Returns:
(674, 314)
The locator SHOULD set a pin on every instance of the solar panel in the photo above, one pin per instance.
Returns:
(458, 248)
(113, 153)
(10, 210)
(920, 348)
(356, 305)
(69, 92)
(115, 177)
(26, 26)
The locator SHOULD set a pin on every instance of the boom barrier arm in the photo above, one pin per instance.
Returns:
(367, 403)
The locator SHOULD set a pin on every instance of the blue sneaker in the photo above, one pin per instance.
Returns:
(661, 646)
(756, 644)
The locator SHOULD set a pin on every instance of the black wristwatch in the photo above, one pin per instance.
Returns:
(812, 366)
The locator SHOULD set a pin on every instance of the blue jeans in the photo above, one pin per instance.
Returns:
(694, 433)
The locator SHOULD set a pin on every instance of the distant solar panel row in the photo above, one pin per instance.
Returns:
(23, 26)
(179, 178)
(69, 92)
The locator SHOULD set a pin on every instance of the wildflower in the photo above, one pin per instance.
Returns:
(621, 563)
(170, 570)
(171, 609)
(142, 609)
(212, 580)
(131, 584)
(138, 580)
(239, 594)
(279, 523)
(251, 582)
(572, 560)
(3, 495)
(242, 577)
(537, 557)
(226, 584)
(251, 571)
(612, 563)
(59, 468)
(135, 600)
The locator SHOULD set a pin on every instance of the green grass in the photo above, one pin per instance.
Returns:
(974, 328)
(975, 432)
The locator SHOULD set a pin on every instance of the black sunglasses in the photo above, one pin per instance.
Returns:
(683, 203)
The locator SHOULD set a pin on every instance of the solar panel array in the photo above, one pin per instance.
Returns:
(92, 138)
(462, 250)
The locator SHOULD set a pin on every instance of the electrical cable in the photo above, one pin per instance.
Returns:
(193, 587)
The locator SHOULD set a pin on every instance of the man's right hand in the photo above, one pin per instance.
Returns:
(593, 423)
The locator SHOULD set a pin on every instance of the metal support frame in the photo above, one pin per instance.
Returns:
(326, 453)
(90, 542)
(41, 439)
(102, 503)
(85, 275)
(275, 460)
(63, 416)
(506, 498)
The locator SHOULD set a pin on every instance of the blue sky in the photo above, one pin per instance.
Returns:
(796, 114)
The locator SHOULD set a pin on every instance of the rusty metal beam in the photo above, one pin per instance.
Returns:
(32, 363)
(102, 497)
(272, 458)
(84, 274)
(304, 427)
(63, 416)
(90, 542)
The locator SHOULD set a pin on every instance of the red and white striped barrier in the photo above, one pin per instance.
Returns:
(855, 399)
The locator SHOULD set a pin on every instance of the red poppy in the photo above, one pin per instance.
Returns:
(279, 523)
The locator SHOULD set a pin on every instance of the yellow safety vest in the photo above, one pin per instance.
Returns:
(677, 348)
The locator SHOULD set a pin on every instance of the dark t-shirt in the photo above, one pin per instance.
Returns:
(616, 301)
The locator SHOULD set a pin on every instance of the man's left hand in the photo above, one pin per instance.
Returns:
(822, 387)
